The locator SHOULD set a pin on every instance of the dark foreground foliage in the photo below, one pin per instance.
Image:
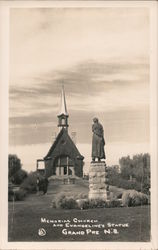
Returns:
(28, 186)
(129, 198)
(62, 201)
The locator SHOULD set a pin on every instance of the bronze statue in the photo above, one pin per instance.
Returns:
(97, 141)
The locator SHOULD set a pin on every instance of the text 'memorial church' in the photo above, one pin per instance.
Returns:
(63, 157)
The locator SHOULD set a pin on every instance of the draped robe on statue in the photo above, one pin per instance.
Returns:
(98, 141)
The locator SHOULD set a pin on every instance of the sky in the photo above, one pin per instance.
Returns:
(101, 55)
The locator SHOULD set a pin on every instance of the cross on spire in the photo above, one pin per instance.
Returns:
(63, 108)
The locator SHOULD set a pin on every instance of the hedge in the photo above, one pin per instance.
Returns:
(132, 198)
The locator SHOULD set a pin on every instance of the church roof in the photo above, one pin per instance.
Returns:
(63, 133)
(63, 108)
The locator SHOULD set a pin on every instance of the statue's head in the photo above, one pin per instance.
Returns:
(95, 119)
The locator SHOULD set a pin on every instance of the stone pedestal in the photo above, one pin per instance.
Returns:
(97, 181)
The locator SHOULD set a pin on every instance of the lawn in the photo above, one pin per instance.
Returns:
(25, 221)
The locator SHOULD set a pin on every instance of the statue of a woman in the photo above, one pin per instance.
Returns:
(97, 141)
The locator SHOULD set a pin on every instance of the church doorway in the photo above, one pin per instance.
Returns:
(64, 166)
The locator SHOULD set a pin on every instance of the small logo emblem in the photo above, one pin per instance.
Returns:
(41, 232)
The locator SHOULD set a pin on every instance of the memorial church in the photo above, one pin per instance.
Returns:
(63, 157)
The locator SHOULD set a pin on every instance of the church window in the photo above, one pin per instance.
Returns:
(63, 121)
(65, 170)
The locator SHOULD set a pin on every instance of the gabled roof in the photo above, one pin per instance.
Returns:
(63, 108)
(63, 131)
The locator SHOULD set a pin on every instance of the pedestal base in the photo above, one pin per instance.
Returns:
(97, 181)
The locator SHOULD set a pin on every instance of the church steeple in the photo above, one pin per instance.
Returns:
(63, 114)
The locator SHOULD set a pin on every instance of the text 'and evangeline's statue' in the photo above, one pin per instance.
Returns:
(98, 141)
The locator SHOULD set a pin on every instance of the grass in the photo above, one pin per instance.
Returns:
(25, 219)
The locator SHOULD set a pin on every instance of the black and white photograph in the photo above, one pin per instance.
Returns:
(80, 156)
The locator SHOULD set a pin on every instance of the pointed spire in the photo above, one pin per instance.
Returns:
(63, 109)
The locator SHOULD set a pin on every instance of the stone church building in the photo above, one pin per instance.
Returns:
(63, 158)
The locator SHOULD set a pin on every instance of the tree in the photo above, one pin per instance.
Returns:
(14, 164)
(113, 170)
(126, 167)
(19, 176)
(16, 174)
(138, 168)
(113, 174)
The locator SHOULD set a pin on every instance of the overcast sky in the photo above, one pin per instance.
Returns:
(102, 58)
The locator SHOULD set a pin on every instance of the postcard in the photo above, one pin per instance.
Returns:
(79, 125)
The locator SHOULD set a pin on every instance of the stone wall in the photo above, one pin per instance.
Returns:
(97, 181)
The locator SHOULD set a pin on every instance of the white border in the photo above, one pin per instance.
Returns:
(4, 77)
(154, 122)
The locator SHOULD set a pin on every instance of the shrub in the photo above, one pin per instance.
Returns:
(29, 184)
(146, 187)
(144, 199)
(83, 203)
(59, 200)
(69, 203)
(134, 198)
(97, 203)
(115, 203)
(64, 202)
(20, 195)
(119, 196)
(91, 203)
(81, 196)
(19, 176)
(126, 199)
